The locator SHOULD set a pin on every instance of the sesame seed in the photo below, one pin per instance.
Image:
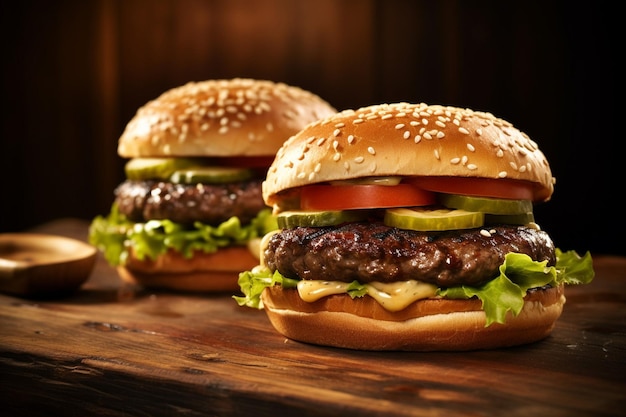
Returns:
(406, 134)
(471, 147)
(336, 157)
(357, 121)
(440, 124)
(321, 141)
(371, 150)
(485, 233)
(455, 161)
(336, 132)
(340, 124)
(358, 159)
(440, 135)
(472, 167)
(437, 153)
(414, 123)
(427, 135)
(387, 116)
(502, 174)
(464, 130)
(400, 126)
(351, 139)
(417, 139)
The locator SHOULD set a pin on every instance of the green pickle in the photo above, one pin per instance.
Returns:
(424, 219)
(486, 204)
(211, 175)
(514, 219)
(156, 168)
(290, 219)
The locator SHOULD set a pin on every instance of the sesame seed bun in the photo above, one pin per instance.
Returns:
(237, 117)
(204, 272)
(387, 139)
(425, 325)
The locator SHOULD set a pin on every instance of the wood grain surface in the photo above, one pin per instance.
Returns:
(115, 350)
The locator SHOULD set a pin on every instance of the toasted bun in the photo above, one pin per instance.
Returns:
(408, 140)
(238, 117)
(426, 325)
(210, 272)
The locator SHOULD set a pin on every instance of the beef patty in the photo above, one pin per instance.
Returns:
(211, 204)
(374, 252)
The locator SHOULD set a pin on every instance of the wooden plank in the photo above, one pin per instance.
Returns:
(117, 350)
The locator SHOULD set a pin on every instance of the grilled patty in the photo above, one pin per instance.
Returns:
(211, 204)
(375, 252)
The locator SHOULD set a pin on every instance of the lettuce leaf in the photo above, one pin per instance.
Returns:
(505, 293)
(114, 234)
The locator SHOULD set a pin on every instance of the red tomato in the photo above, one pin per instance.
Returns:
(342, 197)
(246, 161)
(480, 187)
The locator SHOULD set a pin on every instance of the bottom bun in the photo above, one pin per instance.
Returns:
(426, 325)
(204, 272)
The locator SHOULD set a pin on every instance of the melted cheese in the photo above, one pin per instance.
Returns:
(263, 245)
(393, 297)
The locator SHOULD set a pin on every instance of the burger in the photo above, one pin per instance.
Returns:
(190, 212)
(410, 227)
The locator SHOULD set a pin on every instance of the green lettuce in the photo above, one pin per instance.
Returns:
(505, 293)
(114, 234)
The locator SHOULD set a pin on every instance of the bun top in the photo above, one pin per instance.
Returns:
(403, 139)
(237, 117)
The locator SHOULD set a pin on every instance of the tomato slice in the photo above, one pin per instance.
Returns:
(343, 197)
(481, 187)
(246, 161)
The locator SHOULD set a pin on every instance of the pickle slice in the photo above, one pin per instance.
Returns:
(211, 175)
(486, 204)
(515, 219)
(156, 168)
(369, 181)
(290, 219)
(423, 219)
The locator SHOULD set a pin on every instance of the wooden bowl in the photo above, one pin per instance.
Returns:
(43, 266)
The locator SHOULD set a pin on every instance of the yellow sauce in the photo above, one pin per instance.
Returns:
(393, 297)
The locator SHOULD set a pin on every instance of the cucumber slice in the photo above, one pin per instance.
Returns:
(289, 219)
(516, 219)
(211, 175)
(423, 219)
(156, 168)
(486, 204)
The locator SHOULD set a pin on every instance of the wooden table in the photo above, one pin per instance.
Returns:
(113, 350)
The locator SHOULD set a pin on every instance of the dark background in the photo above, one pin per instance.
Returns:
(74, 72)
